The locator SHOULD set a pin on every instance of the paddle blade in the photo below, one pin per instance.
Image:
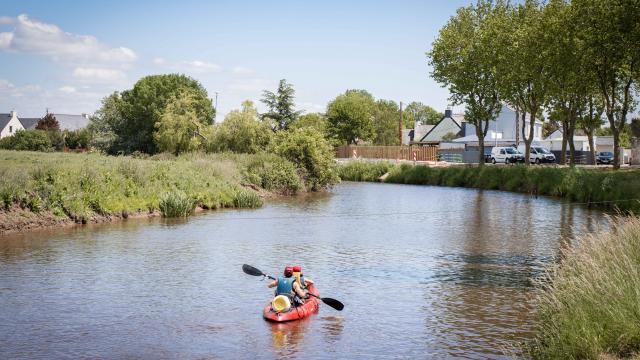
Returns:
(333, 303)
(248, 269)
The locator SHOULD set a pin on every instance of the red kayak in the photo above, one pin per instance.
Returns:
(310, 306)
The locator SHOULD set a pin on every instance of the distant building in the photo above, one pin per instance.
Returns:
(9, 124)
(66, 121)
(450, 124)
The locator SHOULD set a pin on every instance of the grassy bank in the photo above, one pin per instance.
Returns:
(588, 307)
(607, 188)
(86, 187)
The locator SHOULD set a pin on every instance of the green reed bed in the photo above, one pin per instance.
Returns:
(602, 187)
(82, 186)
(588, 306)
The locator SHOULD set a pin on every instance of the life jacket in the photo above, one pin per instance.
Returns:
(302, 284)
(285, 286)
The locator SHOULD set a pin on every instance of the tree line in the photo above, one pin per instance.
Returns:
(577, 61)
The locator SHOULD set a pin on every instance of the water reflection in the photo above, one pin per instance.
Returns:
(449, 276)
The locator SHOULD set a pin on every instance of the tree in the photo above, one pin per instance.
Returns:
(311, 152)
(350, 116)
(178, 129)
(610, 34)
(313, 120)
(590, 121)
(48, 123)
(281, 107)
(103, 123)
(386, 117)
(523, 62)
(462, 59)
(423, 114)
(140, 108)
(241, 132)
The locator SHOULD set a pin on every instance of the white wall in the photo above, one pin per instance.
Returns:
(13, 126)
(504, 127)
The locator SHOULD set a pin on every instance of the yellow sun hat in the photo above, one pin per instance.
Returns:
(280, 304)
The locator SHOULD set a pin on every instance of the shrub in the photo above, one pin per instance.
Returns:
(312, 154)
(588, 305)
(246, 199)
(77, 139)
(176, 204)
(33, 140)
(274, 174)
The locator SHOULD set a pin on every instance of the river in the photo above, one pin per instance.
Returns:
(424, 272)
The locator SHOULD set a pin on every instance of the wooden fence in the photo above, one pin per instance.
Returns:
(422, 153)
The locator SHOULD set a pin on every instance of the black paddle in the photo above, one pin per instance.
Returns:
(250, 270)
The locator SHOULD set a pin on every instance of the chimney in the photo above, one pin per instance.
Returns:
(13, 114)
(448, 113)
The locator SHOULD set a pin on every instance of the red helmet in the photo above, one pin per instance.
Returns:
(297, 269)
(288, 270)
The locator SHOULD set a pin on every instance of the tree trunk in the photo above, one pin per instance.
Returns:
(563, 156)
(592, 149)
(517, 126)
(572, 148)
(616, 149)
(480, 149)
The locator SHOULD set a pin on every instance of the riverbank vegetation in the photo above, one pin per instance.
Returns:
(588, 306)
(605, 188)
(94, 187)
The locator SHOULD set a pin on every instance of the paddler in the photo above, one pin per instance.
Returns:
(300, 278)
(288, 286)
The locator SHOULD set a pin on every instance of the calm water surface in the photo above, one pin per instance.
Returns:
(428, 272)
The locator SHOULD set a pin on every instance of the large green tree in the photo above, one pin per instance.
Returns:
(132, 115)
(316, 121)
(350, 116)
(241, 132)
(610, 32)
(386, 117)
(421, 113)
(179, 130)
(590, 120)
(463, 59)
(281, 107)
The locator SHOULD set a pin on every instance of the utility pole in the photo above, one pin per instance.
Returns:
(214, 120)
(400, 124)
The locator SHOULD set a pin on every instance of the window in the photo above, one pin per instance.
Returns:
(502, 152)
(10, 129)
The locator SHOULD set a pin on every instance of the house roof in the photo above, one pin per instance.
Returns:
(442, 128)
(29, 123)
(72, 122)
(4, 120)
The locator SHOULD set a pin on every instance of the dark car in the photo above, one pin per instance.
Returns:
(604, 157)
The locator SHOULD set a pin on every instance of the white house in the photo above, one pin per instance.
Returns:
(9, 124)
(502, 130)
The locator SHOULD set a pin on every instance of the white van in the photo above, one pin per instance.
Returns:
(507, 155)
(539, 154)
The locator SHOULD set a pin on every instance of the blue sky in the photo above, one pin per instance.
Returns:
(67, 55)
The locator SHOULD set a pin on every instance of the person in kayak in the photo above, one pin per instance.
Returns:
(288, 286)
(300, 278)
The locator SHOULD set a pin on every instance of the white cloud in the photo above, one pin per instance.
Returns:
(35, 37)
(5, 85)
(6, 20)
(239, 70)
(99, 75)
(159, 61)
(200, 67)
(312, 107)
(67, 89)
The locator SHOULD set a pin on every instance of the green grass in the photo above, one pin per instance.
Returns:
(176, 204)
(589, 305)
(82, 186)
(602, 187)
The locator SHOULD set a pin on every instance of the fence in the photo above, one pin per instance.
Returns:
(388, 152)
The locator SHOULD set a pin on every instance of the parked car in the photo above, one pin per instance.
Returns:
(507, 155)
(538, 154)
(604, 157)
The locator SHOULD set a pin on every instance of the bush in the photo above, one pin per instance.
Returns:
(32, 140)
(176, 204)
(363, 171)
(274, 174)
(246, 199)
(312, 154)
(588, 306)
(77, 139)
